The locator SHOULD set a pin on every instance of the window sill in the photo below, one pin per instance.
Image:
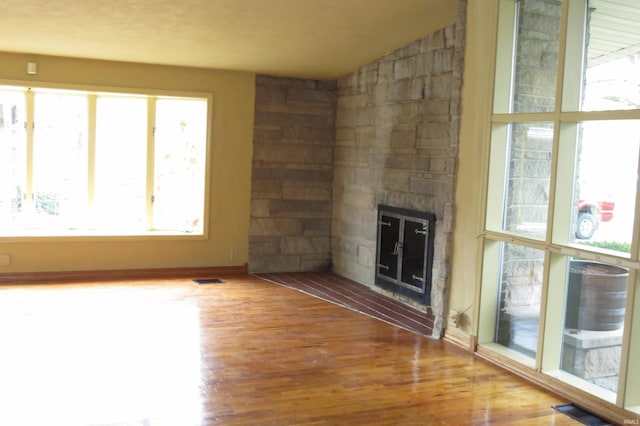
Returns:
(38, 235)
(582, 384)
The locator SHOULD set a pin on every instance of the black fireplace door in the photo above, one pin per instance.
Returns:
(404, 251)
(389, 246)
(413, 254)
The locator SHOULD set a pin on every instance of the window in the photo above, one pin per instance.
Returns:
(85, 163)
(561, 258)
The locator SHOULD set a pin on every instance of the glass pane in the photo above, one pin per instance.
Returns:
(121, 159)
(534, 60)
(594, 319)
(519, 298)
(605, 183)
(180, 158)
(60, 160)
(612, 77)
(528, 175)
(12, 158)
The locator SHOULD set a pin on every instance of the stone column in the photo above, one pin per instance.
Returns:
(294, 136)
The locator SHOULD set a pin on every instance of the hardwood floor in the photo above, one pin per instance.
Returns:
(344, 292)
(171, 352)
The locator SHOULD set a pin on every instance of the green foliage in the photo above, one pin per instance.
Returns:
(47, 202)
(622, 247)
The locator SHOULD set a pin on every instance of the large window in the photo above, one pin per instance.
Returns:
(86, 163)
(560, 267)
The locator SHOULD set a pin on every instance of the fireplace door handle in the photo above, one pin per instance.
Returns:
(415, 277)
(417, 231)
(397, 248)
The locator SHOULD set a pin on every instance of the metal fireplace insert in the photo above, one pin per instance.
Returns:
(404, 251)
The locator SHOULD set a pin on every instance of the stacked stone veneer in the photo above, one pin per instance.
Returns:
(534, 91)
(397, 144)
(294, 137)
(593, 356)
(529, 170)
(537, 55)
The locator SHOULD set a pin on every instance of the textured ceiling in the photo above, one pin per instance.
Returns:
(304, 38)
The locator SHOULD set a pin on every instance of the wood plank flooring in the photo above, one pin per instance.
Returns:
(244, 352)
(345, 292)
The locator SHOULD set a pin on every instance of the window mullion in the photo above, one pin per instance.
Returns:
(91, 153)
(151, 133)
(505, 57)
(572, 57)
(524, 117)
(29, 129)
(629, 391)
(563, 178)
(556, 148)
(635, 243)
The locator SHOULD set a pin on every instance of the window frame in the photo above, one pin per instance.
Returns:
(94, 91)
(555, 244)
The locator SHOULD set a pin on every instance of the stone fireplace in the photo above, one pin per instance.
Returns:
(397, 144)
(326, 154)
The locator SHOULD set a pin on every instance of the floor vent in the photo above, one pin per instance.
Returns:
(209, 281)
(581, 415)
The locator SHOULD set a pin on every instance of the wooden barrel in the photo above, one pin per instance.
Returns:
(596, 296)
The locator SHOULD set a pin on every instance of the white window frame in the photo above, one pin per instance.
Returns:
(555, 244)
(92, 92)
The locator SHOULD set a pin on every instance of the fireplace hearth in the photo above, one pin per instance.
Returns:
(404, 252)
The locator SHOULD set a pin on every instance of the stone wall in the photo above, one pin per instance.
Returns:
(397, 144)
(538, 44)
(529, 170)
(537, 55)
(294, 136)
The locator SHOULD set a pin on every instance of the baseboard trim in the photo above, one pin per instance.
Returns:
(461, 340)
(121, 274)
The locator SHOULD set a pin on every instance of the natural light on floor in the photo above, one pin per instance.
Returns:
(60, 344)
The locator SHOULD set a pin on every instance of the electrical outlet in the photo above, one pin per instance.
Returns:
(455, 320)
(5, 259)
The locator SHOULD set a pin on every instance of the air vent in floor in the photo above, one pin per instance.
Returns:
(209, 281)
(581, 415)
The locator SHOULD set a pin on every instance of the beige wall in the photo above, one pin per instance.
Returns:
(232, 150)
(473, 150)
(232, 136)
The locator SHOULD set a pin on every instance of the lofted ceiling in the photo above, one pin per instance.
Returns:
(301, 38)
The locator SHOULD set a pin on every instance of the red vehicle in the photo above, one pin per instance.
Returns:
(590, 214)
